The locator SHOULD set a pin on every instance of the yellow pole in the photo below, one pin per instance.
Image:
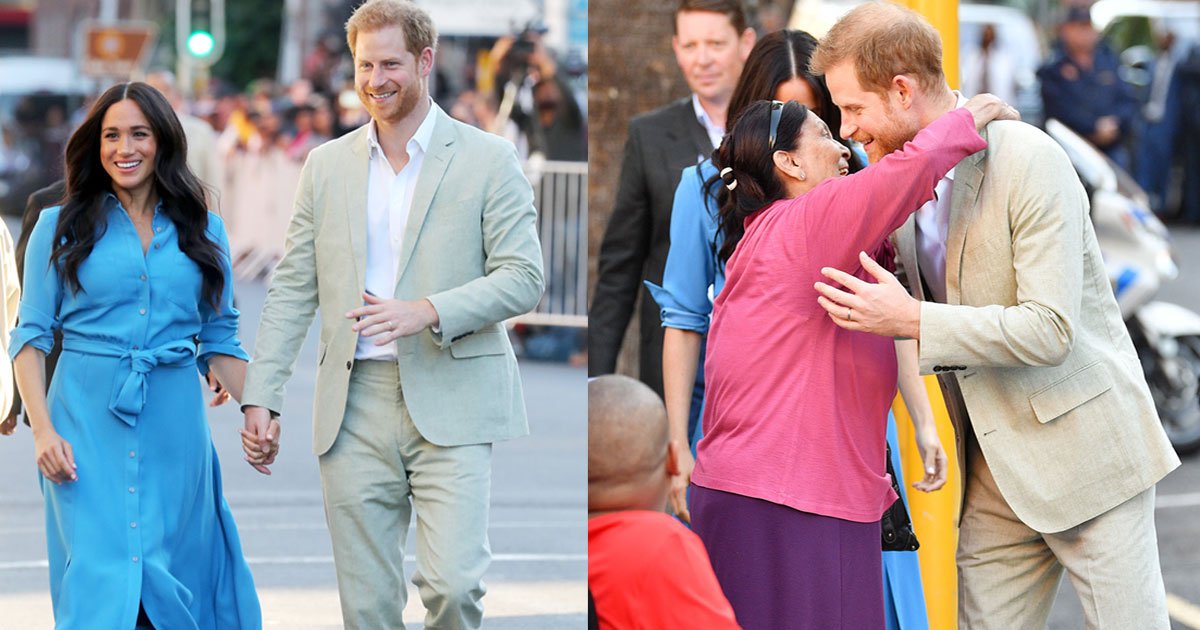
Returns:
(934, 514)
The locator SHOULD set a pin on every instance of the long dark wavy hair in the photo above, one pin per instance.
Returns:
(82, 221)
(776, 59)
(745, 151)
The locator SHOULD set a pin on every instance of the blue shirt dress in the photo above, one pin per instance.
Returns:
(692, 279)
(146, 522)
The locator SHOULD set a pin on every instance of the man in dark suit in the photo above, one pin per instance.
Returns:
(711, 43)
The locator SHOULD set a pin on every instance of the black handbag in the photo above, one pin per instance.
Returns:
(898, 534)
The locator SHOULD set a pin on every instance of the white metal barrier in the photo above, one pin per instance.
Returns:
(560, 195)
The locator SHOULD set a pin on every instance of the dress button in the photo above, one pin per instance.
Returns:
(143, 278)
(133, 525)
(159, 229)
(132, 454)
(132, 489)
(141, 311)
(135, 558)
(157, 245)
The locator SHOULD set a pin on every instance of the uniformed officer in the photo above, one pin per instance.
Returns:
(1081, 89)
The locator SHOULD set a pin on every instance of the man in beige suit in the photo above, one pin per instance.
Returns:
(437, 220)
(1014, 312)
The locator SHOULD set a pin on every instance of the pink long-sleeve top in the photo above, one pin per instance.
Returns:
(796, 407)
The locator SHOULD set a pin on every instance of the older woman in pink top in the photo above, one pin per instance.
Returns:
(789, 484)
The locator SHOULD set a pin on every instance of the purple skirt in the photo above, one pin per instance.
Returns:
(782, 568)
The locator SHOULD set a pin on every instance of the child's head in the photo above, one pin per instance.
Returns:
(630, 462)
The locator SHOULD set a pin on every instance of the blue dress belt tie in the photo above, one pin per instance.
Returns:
(127, 402)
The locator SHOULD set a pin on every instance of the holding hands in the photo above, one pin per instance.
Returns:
(260, 438)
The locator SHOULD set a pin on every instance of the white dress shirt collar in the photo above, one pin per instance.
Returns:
(715, 133)
(423, 136)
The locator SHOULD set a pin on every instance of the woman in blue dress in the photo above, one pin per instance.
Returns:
(695, 274)
(135, 272)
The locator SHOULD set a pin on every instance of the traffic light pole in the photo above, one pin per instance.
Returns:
(193, 64)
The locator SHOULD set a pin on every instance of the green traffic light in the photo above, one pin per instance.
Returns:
(200, 43)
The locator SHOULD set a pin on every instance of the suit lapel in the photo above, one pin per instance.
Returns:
(906, 249)
(437, 159)
(968, 176)
(355, 201)
(694, 130)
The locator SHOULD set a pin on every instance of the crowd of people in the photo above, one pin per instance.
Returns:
(837, 223)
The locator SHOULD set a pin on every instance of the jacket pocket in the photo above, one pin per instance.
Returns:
(1071, 392)
(479, 344)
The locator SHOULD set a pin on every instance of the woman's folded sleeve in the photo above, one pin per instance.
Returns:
(41, 296)
(219, 326)
(684, 297)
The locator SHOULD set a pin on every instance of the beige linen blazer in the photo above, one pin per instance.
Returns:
(1032, 335)
(470, 246)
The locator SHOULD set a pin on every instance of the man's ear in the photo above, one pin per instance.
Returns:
(747, 41)
(786, 163)
(672, 458)
(902, 91)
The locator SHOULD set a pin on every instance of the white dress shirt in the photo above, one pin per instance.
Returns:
(933, 226)
(389, 199)
(715, 133)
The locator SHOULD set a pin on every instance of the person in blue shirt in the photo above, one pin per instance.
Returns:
(1081, 87)
(695, 274)
(135, 273)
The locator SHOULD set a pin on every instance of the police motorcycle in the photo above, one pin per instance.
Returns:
(1137, 254)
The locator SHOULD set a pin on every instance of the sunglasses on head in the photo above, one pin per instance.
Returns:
(776, 112)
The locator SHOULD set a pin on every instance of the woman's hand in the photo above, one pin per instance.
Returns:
(220, 394)
(680, 481)
(55, 458)
(9, 425)
(933, 457)
(986, 108)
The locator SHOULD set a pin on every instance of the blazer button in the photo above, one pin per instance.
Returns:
(348, 365)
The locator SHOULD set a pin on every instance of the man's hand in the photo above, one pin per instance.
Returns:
(933, 456)
(260, 438)
(9, 424)
(1108, 131)
(220, 394)
(679, 483)
(389, 320)
(884, 309)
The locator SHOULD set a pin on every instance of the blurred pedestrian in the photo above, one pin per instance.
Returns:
(1081, 87)
(431, 224)
(1059, 442)
(134, 270)
(202, 155)
(1159, 124)
(711, 42)
(988, 68)
(645, 569)
(1188, 78)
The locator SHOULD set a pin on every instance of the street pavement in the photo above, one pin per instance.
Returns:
(537, 579)
(1177, 513)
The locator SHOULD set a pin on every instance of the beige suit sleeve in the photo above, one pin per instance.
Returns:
(289, 308)
(1047, 208)
(11, 288)
(513, 279)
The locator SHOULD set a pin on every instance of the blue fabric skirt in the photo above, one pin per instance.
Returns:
(146, 523)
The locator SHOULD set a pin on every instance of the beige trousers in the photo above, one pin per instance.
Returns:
(1008, 574)
(378, 472)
